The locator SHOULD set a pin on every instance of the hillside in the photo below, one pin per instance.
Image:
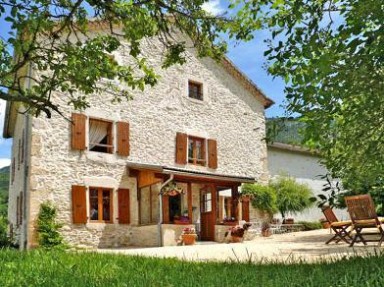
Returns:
(4, 185)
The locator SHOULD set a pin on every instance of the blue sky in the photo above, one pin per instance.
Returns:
(247, 56)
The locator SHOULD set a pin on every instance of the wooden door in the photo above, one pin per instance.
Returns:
(207, 211)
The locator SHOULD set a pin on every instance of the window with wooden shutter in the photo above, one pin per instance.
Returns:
(79, 209)
(181, 148)
(212, 153)
(78, 131)
(123, 138)
(124, 208)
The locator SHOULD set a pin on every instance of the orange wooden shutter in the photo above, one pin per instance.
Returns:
(124, 208)
(78, 131)
(181, 148)
(245, 210)
(123, 138)
(212, 153)
(79, 209)
(165, 209)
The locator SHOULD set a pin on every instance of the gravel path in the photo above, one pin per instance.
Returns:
(308, 246)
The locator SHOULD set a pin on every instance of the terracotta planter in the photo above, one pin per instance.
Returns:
(325, 224)
(236, 239)
(189, 239)
(266, 232)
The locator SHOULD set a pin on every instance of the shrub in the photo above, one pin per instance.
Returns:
(291, 196)
(263, 197)
(47, 227)
(5, 239)
(310, 225)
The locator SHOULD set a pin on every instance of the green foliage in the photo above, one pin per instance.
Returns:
(47, 227)
(39, 268)
(330, 55)
(263, 197)
(59, 37)
(5, 240)
(4, 186)
(310, 225)
(291, 196)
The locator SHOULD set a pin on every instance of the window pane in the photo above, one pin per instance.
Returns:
(94, 204)
(190, 150)
(106, 205)
(100, 136)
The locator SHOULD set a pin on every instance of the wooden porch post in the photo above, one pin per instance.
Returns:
(189, 194)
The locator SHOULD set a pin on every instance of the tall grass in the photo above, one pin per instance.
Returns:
(54, 268)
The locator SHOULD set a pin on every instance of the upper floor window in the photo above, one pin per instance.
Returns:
(100, 136)
(196, 150)
(103, 135)
(195, 90)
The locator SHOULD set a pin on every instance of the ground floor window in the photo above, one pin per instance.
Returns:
(100, 203)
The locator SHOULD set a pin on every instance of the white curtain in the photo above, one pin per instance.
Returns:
(97, 131)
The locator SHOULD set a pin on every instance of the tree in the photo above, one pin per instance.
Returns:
(263, 197)
(55, 36)
(330, 53)
(291, 196)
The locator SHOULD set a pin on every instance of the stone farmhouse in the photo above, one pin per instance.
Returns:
(198, 133)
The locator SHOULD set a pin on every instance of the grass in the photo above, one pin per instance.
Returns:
(43, 268)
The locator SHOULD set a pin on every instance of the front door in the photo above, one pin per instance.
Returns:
(207, 211)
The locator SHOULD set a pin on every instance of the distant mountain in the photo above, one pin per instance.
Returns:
(5, 169)
(4, 181)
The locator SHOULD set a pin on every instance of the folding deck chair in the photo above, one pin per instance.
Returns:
(339, 227)
(363, 215)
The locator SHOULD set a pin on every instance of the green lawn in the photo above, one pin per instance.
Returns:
(39, 268)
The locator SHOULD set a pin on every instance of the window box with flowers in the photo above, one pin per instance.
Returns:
(188, 236)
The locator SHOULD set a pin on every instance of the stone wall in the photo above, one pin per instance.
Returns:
(229, 113)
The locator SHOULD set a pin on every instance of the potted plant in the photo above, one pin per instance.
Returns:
(324, 223)
(266, 229)
(230, 221)
(237, 232)
(188, 236)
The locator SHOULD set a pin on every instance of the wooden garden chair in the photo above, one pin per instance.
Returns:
(340, 228)
(363, 215)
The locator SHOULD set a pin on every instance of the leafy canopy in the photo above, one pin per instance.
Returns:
(330, 53)
(57, 36)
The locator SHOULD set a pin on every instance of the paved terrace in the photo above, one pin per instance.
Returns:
(308, 246)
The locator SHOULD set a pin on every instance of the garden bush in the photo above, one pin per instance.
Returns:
(48, 227)
(310, 225)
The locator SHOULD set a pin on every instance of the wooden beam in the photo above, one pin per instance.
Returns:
(146, 178)
(189, 194)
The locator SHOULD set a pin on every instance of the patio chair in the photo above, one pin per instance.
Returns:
(363, 215)
(340, 228)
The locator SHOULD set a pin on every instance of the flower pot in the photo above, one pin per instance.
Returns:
(189, 239)
(266, 232)
(325, 224)
(236, 239)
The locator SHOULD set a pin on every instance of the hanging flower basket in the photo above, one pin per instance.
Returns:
(171, 189)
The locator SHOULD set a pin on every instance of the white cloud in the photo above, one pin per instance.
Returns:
(4, 162)
(213, 7)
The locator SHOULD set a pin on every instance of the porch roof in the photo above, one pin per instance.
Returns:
(191, 173)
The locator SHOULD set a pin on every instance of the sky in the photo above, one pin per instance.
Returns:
(247, 56)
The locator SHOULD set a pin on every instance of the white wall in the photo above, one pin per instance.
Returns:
(306, 169)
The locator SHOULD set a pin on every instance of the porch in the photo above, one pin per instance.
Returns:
(170, 201)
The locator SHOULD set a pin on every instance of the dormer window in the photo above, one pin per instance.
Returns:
(195, 90)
